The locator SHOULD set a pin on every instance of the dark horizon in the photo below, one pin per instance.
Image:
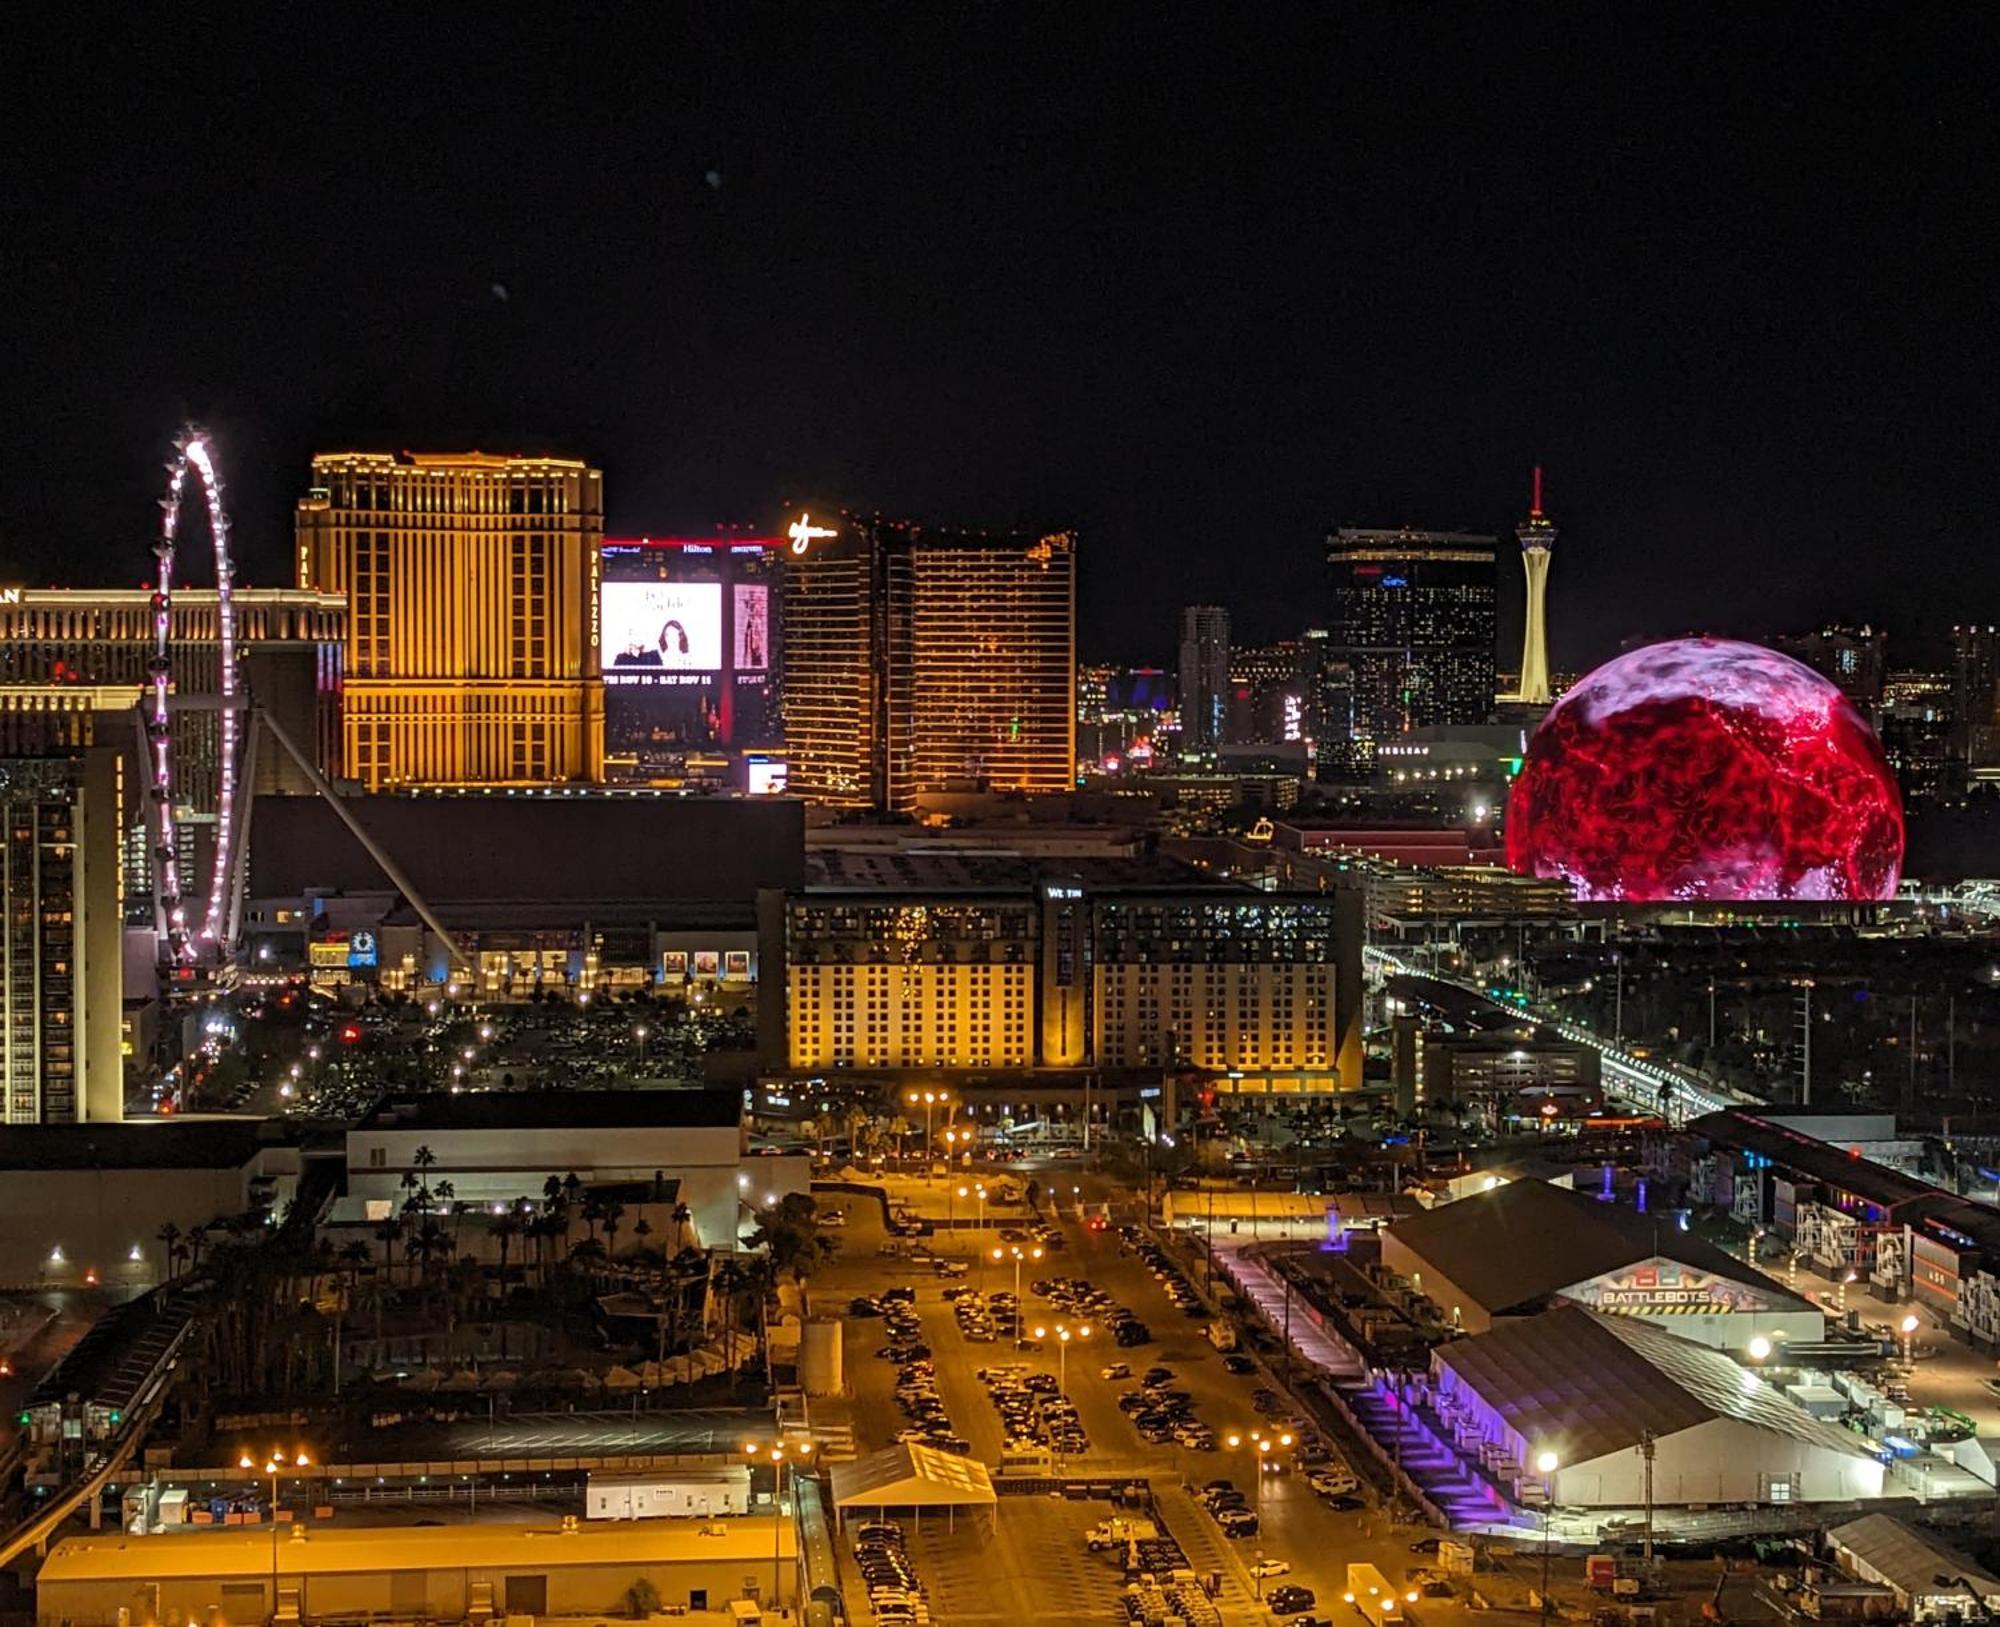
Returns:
(1200, 287)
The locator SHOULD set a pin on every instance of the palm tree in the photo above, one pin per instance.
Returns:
(170, 1239)
(445, 1193)
(588, 1256)
(642, 1228)
(593, 1212)
(424, 1159)
(614, 1213)
(503, 1229)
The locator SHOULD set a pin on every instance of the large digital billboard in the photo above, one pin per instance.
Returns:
(690, 632)
(661, 627)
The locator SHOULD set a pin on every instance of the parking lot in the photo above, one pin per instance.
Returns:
(1033, 1564)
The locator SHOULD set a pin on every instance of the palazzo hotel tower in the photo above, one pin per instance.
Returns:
(472, 585)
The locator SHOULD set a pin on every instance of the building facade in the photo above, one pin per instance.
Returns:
(691, 630)
(1203, 677)
(61, 921)
(74, 663)
(923, 660)
(474, 598)
(995, 967)
(1974, 742)
(1413, 619)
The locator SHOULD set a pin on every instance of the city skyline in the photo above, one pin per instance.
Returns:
(797, 292)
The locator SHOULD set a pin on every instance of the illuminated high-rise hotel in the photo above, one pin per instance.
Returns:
(1412, 619)
(473, 598)
(920, 660)
(60, 937)
(1537, 534)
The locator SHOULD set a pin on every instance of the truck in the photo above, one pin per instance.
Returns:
(1121, 1531)
(1370, 1592)
(1223, 1336)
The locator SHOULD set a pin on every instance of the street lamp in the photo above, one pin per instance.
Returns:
(1909, 1325)
(1263, 1445)
(1760, 1348)
(1019, 1254)
(1547, 1462)
(275, 1462)
(1840, 1297)
(1064, 1334)
(775, 1454)
(930, 1099)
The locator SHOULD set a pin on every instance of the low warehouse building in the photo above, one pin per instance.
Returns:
(1526, 1245)
(1593, 1390)
(442, 1573)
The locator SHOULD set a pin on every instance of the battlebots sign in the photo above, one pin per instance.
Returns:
(1668, 1288)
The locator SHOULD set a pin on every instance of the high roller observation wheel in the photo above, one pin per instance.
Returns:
(182, 946)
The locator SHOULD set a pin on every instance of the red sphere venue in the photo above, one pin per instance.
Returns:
(1707, 769)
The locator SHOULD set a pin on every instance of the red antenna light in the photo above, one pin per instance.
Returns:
(1535, 508)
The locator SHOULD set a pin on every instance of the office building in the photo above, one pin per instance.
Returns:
(1120, 714)
(1270, 696)
(690, 633)
(1412, 617)
(73, 662)
(1018, 978)
(61, 920)
(473, 603)
(921, 660)
(1974, 744)
(1853, 658)
(1203, 675)
(1915, 728)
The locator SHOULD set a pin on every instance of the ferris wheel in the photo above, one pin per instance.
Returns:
(183, 943)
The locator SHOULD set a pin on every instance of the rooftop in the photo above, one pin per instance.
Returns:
(839, 869)
(198, 1143)
(350, 1550)
(560, 1110)
(1590, 1385)
(1511, 1248)
(1909, 1560)
(1794, 1149)
(629, 853)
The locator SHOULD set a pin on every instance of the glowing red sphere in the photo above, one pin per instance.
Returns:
(1704, 768)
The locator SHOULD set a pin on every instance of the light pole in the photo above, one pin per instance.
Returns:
(1909, 1325)
(1840, 1297)
(275, 1463)
(1064, 1334)
(1262, 1446)
(930, 1099)
(775, 1454)
(1547, 1462)
(1019, 1255)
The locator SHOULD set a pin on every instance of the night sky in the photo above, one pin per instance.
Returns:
(1199, 281)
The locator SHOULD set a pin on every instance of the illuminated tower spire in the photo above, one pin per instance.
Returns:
(1538, 536)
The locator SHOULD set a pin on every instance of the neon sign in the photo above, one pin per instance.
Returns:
(804, 533)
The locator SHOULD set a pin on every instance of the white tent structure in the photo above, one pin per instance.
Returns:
(1929, 1579)
(1595, 1389)
(910, 1477)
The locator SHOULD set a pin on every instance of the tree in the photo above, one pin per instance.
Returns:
(424, 1159)
(614, 1215)
(503, 1229)
(642, 1598)
(791, 1238)
(170, 1239)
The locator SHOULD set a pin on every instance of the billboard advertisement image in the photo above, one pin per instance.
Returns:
(661, 627)
(752, 626)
